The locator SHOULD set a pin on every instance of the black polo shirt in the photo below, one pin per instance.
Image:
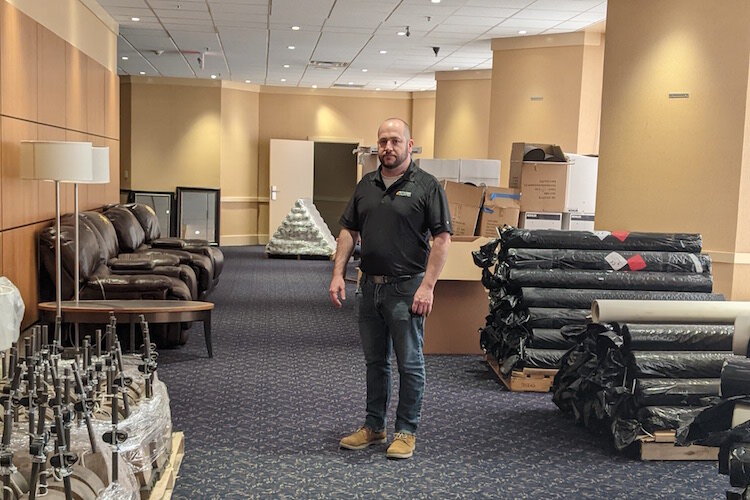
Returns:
(395, 223)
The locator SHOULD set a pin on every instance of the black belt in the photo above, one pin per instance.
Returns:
(379, 279)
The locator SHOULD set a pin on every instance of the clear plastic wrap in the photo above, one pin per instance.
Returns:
(11, 313)
(609, 280)
(302, 232)
(674, 364)
(600, 240)
(582, 299)
(606, 260)
(654, 337)
(675, 392)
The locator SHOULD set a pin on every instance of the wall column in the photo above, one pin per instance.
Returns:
(679, 164)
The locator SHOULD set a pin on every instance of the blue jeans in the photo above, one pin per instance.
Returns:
(385, 322)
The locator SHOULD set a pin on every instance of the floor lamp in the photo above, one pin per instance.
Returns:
(57, 161)
(100, 175)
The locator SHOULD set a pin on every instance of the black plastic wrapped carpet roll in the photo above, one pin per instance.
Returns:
(606, 260)
(739, 465)
(735, 377)
(651, 337)
(550, 317)
(601, 240)
(610, 280)
(549, 338)
(542, 358)
(672, 364)
(656, 418)
(582, 299)
(675, 391)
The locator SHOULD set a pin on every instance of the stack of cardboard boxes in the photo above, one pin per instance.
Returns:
(551, 190)
(558, 190)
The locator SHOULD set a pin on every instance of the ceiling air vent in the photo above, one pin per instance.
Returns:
(328, 64)
(347, 86)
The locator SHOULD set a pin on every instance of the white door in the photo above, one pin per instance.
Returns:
(291, 173)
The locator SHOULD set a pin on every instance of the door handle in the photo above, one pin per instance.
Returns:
(273, 192)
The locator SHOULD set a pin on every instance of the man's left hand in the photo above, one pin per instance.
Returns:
(422, 304)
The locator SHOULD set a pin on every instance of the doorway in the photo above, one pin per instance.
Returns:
(334, 180)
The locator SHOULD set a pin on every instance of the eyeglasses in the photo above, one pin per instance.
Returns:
(395, 141)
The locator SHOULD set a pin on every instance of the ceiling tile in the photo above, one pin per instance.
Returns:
(551, 15)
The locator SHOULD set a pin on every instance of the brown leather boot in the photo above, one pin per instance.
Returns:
(361, 439)
(402, 446)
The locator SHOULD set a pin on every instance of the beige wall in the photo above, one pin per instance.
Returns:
(175, 133)
(550, 66)
(239, 166)
(462, 114)
(423, 123)
(677, 164)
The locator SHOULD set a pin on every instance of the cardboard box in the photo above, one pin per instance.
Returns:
(480, 172)
(521, 149)
(464, 202)
(543, 187)
(502, 206)
(578, 222)
(442, 169)
(539, 220)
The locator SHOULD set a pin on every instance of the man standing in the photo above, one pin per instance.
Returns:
(394, 209)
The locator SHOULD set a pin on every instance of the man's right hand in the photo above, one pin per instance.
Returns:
(336, 290)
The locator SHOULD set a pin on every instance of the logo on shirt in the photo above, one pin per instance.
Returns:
(404, 193)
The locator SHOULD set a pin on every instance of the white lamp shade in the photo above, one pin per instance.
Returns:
(57, 161)
(100, 160)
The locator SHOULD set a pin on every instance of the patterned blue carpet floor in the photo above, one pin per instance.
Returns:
(264, 416)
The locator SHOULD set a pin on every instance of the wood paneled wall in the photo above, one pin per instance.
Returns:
(49, 90)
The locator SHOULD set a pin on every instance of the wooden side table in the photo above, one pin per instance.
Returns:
(129, 311)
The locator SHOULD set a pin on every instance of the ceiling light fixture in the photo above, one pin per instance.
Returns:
(135, 19)
(213, 77)
(401, 33)
(295, 28)
(286, 65)
(435, 1)
(378, 88)
(315, 86)
(124, 58)
(283, 79)
(364, 70)
(142, 72)
(350, 83)
(422, 90)
(455, 68)
(522, 32)
(383, 51)
(291, 47)
(247, 81)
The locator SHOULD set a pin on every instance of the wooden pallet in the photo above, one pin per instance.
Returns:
(299, 257)
(526, 380)
(661, 446)
(164, 488)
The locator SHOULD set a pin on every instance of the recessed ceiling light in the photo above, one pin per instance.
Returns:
(364, 70)
(455, 68)
(351, 83)
(422, 90)
(522, 32)
(315, 86)
(135, 19)
(283, 79)
(142, 72)
(383, 51)
(213, 77)
(291, 47)
(377, 88)
(286, 65)
(247, 81)
(401, 33)
(295, 28)
(124, 58)
(435, 1)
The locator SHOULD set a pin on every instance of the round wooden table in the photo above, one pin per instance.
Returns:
(130, 311)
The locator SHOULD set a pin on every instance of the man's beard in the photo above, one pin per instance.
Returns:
(396, 163)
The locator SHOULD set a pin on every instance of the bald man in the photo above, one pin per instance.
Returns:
(395, 210)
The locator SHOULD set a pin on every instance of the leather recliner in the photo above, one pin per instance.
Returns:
(132, 238)
(99, 281)
(109, 253)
